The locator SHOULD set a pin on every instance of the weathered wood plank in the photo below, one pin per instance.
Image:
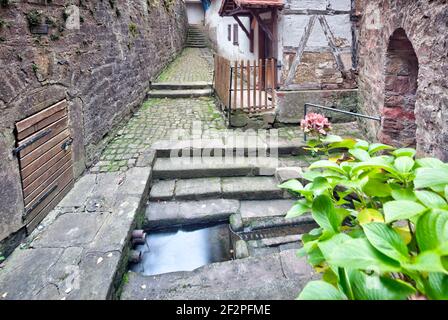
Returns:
(38, 117)
(60, 183)
(29, 174)
(42, 183)
(41, 215)
(41, 150)
(35, 165)
(56, 128)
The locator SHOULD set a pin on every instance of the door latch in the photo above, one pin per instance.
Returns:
(67, 143)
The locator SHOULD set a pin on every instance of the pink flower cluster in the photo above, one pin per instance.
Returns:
(315, 123)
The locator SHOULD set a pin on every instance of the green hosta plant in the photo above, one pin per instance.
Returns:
(383, 223)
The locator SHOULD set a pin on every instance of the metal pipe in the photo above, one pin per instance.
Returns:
(135, 256)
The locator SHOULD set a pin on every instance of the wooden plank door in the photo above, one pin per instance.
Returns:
(45, 160)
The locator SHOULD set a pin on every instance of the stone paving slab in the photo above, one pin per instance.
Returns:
(80, 252)
(174, 213)
(256, 210)
(184, 168)
(198, 189)
(275, 276)
(248, 188)
(178, 94)
(162, 190)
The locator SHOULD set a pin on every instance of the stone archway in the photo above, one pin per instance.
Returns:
(401, 71)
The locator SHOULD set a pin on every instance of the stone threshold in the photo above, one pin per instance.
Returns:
(80, 251)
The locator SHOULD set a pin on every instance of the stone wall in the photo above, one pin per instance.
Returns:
(101, 62)
(386, 84)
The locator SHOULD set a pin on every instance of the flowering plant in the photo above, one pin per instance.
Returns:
(315, 124)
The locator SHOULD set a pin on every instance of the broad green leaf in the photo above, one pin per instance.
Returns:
(362, 144)
(292, 185)
(360, 254)
(297, 210)
(437, 286)
(403, 194)
(404, 164)
(377, 188)
(387, 241)
(370, 215)
(429, 163)
(374, 287)
(320, 290)
(432, 230)
(324, 213)
(344, 144)
(430, 177)
(375, 163)
(314, 256)
(431, 199)
(404, 152)
(310, 175)
(402, 209)
(404, 233)
(375, 147)
(319, 185)
(326, 164)
(328, 246)
(360, 154)
(331, 139)
(446, 192)
(427, 261)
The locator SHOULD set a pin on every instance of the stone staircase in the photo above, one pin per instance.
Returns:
(196, 37)
(241, 190)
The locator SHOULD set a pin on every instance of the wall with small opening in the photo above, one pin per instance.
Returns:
(420, 88)
(99, 57)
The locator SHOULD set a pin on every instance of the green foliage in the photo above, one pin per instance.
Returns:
(383, 222)
(133, 29)
(34, 18)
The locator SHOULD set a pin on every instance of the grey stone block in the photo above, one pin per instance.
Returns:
(288, 173)
(248, 188)
(162, 190)
(241, 250)
(198, 189)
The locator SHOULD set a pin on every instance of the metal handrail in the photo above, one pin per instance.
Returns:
(334, 109)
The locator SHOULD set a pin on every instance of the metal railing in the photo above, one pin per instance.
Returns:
(334, 109)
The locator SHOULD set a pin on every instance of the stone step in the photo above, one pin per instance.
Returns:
(184, 168)
(181, 86)
(276, 276)
(173, 94)
(197, 46)
(240, 188)
(168, 214)
(240, 145)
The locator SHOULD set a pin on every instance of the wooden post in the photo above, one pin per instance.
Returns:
(266, 82)
(235, 84)
(242, 85)
(260, 81)
(248, 84)
(254, 92)
(273, 81)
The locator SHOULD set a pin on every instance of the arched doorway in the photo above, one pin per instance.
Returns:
(398, 126)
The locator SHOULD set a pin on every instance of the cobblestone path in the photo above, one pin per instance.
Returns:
(158, 118)
(193, 64)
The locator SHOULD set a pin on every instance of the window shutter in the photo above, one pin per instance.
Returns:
(229, 32)
(235, 34)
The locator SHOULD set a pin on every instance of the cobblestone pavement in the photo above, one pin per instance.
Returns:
(155, 120)
(193, 64)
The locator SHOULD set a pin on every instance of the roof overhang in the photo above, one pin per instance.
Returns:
(244, 7)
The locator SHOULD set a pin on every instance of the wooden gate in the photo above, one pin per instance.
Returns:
(45, 159)
(247, 85)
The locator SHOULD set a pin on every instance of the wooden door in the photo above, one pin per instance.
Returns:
(45, 159)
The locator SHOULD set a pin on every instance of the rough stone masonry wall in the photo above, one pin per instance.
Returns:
(103, 69)
(425, 24)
